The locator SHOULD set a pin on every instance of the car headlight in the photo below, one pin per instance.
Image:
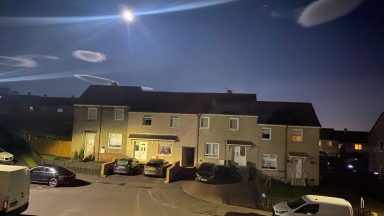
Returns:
(281, 212)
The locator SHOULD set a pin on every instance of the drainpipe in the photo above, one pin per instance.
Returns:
(198, 137)
(285, 151)
(101, 120)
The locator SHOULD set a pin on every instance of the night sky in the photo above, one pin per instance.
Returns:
(327, 52)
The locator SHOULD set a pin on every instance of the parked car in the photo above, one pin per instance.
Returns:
(53, 175)
(156, 167)
(6, 157)
(126, 166)
(207, 172)
(314, 205)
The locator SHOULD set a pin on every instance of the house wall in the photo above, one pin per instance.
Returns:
(102, 126)
(376, 153)
(219, 132)
(186, 133)
(309, 145)
(329, 146)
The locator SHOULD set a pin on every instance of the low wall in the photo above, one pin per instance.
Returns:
(172, 173)
(90, 168)
(106, 169)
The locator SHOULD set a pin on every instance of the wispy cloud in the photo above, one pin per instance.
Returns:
(18, 61)
(322, 11)
(89, 56)
(146, 88)
(286, 13)
(40, 56)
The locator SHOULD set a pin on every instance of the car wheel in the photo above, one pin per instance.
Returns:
(52, 182)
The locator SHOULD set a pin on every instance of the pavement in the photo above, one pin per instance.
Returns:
(194, 196)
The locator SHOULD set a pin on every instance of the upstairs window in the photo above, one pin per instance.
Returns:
(233, 124)
(358, 147)
(119, 114)
(174, 122)
(266, 133)
(297, 135)
(92, 113)
(204, 122)
(147, 120)
(60, 110)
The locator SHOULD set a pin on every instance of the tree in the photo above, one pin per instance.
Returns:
(6, 91)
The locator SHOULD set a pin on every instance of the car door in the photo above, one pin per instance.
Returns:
(36, 174)
(47, 174)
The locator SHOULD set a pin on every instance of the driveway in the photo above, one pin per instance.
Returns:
(123, 195)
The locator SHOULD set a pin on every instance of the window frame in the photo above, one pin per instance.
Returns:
(60, 110)
(165, 144)
(211, 155)
(262, 158)
(173, 117)
(149, 117)
(301, 135)
(123, 114)
(237, 124)
(109, 141)
(208, 122)
(89, 113)
(270, 133)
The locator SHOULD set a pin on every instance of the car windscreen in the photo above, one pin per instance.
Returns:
(295, 203)
(154, 163)
(206, 169)
(122, 162)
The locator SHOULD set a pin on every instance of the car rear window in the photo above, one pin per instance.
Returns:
(206, 169)
(154, 163)
(63, 170)
(295, 203)
(122, 162)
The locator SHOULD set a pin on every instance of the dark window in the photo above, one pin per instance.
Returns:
(309, 209)
(295, 203)
(381, 146)
(147, 120)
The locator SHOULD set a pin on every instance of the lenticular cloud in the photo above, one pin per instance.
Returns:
(18, 61)
(322, 11)
(89, 56)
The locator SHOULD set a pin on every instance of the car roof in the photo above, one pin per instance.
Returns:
(157, 160)
(325, 199)
(51, 166)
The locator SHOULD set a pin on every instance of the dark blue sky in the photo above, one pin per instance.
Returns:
(253, 46)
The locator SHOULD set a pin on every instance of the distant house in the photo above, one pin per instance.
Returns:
(280, 139)
(336, 141)
(376, 145)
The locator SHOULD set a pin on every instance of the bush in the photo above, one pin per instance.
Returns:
(81, 154)
(76, 156)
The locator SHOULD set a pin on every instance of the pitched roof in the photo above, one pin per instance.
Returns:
(38, 100)
(344, 136)
(170, 102)
(286, 113)
(378, 120)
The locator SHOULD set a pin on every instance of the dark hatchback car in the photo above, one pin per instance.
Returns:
(53, 175)
(127, 166)
(207, 173)
(156, 167)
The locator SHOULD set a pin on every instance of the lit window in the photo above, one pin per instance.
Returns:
(297, 135)
(147, 120)
(92, 113)
(165, 149)
(115, 140)
(358, 147)
(175, 122)
(60, 110)
(330, 143)
(269, 161)
(233, 123)
(31, 108)
(212, 150)
(266, 133)
(340, 145)
(204, 122)
(119, 114)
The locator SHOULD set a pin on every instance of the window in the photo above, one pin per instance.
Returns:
(308, 209)
(269, 161)
(31, 108)
(174, 122)
(204, 122)
(233, 124)
(115, 140)
(92, 113)
(381, 146)
(266, 133)
(119, 114)
(60, 110)
(147, 120)
(212, 150)
(165, 149)
(330, 143)
(358, 147)
(297, 135)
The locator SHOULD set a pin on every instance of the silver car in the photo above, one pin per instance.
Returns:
(156, 167)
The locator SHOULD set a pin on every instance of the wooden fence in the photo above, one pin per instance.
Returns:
(60, 148)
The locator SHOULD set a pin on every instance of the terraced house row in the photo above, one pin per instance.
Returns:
(279, 138)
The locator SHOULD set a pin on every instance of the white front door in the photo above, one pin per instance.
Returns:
(89, 147)
(240, 157)
(140, 150)
(298, 168)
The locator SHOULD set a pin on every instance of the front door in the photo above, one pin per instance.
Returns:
(140, 150)
(89, 147)
(298, 168)
(240, 157)
(188, 157)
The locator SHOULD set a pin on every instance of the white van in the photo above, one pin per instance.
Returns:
(314, 205)
(14, 189)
